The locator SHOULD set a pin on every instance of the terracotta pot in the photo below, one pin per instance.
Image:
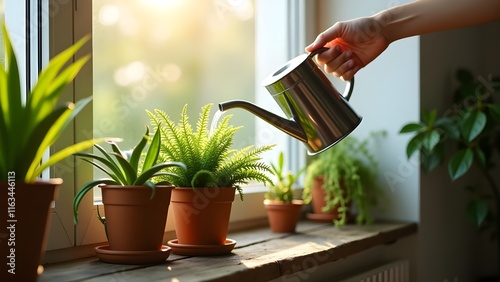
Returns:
(318, 202)
(201, 215)
(24, 240)
(134, 220)
(283, 217)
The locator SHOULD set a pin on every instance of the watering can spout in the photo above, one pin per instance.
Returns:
(288, 126)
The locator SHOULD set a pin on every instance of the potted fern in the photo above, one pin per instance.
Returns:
(340, 177)
(27, 130)
(135, 206)
(204, 192)
(283, 210)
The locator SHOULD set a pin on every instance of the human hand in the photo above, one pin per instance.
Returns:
(353, 44)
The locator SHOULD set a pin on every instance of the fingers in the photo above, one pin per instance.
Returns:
(325, 37)
(340, 63)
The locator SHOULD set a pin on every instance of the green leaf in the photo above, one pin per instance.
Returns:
(126, 168)
(136, 153)
(153, 171)
(448, 127)
(495, 111)
(477, 211)
(429, 117)
(430, 139)
(83, 191)
(472, 124)
(411, 127)
(460, 163)
(479, 154)
(153, 151)
(414, 145)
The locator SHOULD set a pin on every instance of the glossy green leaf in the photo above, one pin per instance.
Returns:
(429, 117)
(495, 111)
(153, 151)
(414, 145)
(430, 139)
(460, 163)
(411, 127)
(430, 160)
(472, 125)
(154, 171)
(137, 151)
(477, 211)
(83, 191)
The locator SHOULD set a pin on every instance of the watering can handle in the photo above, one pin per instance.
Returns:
(349, 83)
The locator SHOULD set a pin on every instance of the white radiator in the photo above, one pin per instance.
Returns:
(397, 271)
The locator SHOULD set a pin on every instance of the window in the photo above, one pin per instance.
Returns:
(163, 54)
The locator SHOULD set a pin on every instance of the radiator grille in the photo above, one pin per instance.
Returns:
(397, 271)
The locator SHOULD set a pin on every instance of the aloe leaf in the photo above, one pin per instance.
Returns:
(83, 191)
(35, 138)
(153, 151)
(472, 125)
(477, 211)
(108, 162)
(136, 153)
(411, 127)
(460, 163)
(153, 188)
(153, 171)
(103, 169)
(127, 169)
(49, 73)
(60, 155)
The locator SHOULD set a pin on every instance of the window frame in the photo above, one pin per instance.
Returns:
(71, 20)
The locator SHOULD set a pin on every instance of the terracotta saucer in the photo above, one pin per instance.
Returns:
(201, 250)
(132, 257)
(321, 217)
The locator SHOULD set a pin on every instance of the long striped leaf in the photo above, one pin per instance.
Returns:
(153, 152)
(136, 153)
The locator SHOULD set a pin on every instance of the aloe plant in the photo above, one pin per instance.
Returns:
(281, 188)
(27, 130)
(126, 168)
(210, 160)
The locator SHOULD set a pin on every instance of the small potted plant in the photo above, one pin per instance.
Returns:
(27, 130)
(204, 192)
(340, 177)
(283, 211)
(135, 206)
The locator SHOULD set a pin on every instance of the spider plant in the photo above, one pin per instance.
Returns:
(281, 189)
(125, 167)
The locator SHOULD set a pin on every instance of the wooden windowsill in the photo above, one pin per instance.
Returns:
(259, 255)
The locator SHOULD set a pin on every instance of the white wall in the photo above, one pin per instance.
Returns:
(386, 95)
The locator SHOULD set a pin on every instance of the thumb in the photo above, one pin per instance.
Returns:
(325, 37)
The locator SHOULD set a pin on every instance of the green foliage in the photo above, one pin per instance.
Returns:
(28, 130)
(349, 172)
(208, 156)
(281, 189)
(125, 168)
(472, 126)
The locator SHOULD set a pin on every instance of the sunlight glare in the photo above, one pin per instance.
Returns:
(133, 72)
(109, 15)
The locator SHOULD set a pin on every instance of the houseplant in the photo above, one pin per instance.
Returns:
(283, 211)
(204, 192)
(341, 176)
(135, 207)
(471, 126)
(27, 131)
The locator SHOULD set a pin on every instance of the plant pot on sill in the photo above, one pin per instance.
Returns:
(318, 195)
(135, 224)
(201, 220)
(24, 240)
(283, 217)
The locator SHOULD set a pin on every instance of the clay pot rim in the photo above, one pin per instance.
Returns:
(280, 203)
(116, 186)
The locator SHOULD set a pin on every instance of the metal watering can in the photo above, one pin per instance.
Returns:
(318, 115)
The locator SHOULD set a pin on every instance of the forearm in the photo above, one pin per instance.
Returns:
(425, 16)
